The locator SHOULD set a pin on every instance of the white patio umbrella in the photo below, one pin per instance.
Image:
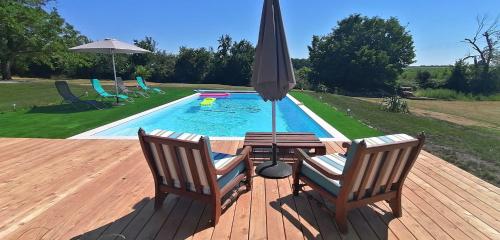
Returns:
(272, 75)
(109, 46)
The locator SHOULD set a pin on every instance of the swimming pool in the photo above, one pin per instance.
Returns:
(227, 118)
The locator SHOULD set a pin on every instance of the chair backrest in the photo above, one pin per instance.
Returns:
(181, 161)
(98, 87)
(379, 164)
(141, 82)
(65, 92)
(121, 85)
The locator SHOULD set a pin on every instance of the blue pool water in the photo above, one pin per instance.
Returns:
(227, 117)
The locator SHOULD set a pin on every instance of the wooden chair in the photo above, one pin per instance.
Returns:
(372, 170)
(184, 164)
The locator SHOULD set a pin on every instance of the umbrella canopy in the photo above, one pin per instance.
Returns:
(272, 76)
(273, 73)
(109, 46)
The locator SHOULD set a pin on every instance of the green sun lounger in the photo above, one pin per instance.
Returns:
(100, 90)
(142, 84)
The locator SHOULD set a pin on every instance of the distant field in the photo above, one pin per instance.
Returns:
(471, 147)
(439, 74)
(466, 113)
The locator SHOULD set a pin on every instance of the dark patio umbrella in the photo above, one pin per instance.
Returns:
(272, 75)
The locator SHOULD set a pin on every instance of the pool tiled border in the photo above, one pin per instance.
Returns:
(90, 134)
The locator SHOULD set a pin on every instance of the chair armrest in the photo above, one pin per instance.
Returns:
(302, 156)
(243, 156)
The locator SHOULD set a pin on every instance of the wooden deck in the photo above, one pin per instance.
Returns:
(100, 189)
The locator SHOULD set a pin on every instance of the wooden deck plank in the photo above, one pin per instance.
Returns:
(273, 212)
(458, 205)
(482, 211)
(326, 224)
(100, 188)
(464, 176)
(241, 224)
(456, 217)
(205, 227)
(223, 231)
(258, 221)
(429, 212)
(48, 215)
(49, 184)
(174, 220)
(310, 227)
(291, 218)
(481, 193)
(188, 226)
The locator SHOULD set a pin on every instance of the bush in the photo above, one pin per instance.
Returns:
(302, 77)
(423, 78)
(395, 104)
(448, 94)
(142, 71)
(458, 79)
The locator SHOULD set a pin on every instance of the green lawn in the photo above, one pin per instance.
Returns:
(350, 127)
(49, 119)
(474, 149)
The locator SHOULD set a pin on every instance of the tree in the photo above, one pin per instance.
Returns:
(163, 66)
(147, 43)
(458, 79)
(484, 44)
(423, 79)
(232, 63)
(302, 77)
(361, 53)
(299, 63)
(192, 64)
(27, 31)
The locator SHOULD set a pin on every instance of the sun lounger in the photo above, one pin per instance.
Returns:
(143, 86)
(100, 90)
(126, 91)
(68, 96)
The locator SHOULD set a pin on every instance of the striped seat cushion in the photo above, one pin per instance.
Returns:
(377, 141)
(332, 163)
(219, 160)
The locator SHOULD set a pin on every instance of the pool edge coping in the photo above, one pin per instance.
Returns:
(337, 136)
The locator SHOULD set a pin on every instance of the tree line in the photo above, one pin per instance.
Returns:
(360, 54)
(34, 43)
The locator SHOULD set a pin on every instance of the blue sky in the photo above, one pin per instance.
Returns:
(437, 26)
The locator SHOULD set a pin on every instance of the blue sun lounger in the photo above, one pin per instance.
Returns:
(142, 84)
(98, 88)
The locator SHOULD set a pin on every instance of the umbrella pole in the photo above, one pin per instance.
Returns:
(114, 73)
(275, 158)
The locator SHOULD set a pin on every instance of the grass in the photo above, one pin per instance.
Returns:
(439, 74)
(475, 149)
(49, 119)
(347, 125)
(447, 94)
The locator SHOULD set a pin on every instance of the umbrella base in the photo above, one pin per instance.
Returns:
(276, 170)
(118, 104)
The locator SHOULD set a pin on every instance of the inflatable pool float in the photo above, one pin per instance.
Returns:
(208, 101)
(214, 95)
